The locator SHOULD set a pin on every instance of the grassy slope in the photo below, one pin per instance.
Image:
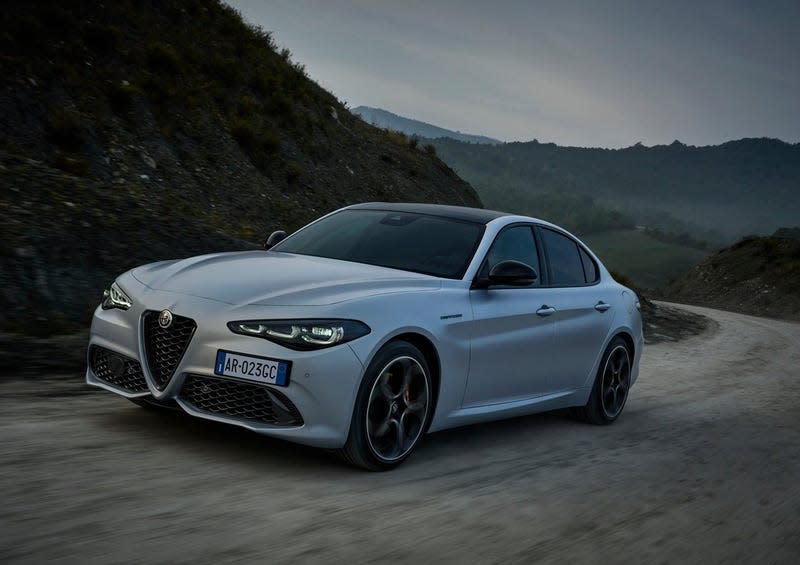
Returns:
(135, 131)
(646, 261)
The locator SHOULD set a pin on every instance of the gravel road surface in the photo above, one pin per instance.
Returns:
(703, 467)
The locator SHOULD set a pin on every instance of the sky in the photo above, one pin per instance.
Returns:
(587, 73)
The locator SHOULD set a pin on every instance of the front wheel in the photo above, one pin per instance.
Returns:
(392, 410)
(610, 390)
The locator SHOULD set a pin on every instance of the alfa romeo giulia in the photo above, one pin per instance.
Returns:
(372, 326)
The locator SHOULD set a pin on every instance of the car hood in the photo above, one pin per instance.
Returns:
(277, 279)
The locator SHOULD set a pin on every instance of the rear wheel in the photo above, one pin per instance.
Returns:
(392, 410)
(610, 390)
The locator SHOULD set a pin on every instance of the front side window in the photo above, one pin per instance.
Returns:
(566, 267)
(432, 245)
(513, 244)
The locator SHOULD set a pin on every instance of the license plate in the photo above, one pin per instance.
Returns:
(252, 368)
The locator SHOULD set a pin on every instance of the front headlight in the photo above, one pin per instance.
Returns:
(114, 297)
(302, 334)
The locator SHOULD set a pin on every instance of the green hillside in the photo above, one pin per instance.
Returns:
(732, 189)
(645, 260)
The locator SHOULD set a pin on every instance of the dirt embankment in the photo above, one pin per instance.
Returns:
(133, 132)
(758, 275)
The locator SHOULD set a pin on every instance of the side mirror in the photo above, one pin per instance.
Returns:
(512, 273)
(275, 238)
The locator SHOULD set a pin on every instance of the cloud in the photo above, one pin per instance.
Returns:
(573, 72)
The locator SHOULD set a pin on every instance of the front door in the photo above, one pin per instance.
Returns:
(511, 345)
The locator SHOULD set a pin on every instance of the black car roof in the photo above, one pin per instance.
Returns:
(478, 215)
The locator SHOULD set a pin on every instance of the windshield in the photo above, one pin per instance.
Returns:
(425, 244)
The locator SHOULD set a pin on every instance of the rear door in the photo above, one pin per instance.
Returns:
(583, 310)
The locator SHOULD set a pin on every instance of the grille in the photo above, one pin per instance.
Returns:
(164, 347)
(117, 370)
(237, 399)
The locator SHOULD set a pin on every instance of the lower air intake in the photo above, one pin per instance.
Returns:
(239, 400)
(117, 370)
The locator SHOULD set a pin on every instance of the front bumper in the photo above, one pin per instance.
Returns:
(322, 386)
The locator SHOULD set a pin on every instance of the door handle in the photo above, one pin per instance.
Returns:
(602, 306)
(545, 310)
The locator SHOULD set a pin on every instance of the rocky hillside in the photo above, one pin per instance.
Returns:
(758, 275)
(132, 131)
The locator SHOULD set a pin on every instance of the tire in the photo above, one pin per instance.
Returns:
(393, 409)
(611, 385)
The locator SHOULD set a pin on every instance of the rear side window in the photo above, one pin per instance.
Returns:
(589, 267)
(566, 266)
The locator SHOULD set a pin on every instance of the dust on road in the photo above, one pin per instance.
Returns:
(703, 466)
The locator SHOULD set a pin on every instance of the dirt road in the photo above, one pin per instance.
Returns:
(703, 467)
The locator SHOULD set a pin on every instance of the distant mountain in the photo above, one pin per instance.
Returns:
(135, 131)
(717, 192)
(387, 120)
(757, 275)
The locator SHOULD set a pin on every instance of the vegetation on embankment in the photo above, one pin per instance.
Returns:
(137, 131)
(757, 275)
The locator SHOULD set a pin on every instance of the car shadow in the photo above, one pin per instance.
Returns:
(182, 431)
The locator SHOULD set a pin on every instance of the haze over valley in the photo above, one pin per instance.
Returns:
(652, 212)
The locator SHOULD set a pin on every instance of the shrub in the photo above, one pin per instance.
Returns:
(247, 106)
(72, 164)
(158, 90)
(771, 248)
(162, 57)
(223, 69)
(790, 268)
(244, 133)
(58, 20)
(121, 96)
(27, 31)
(293, 173)
(102, 39)
(397, 137)
(262, 84)
(280, 104)
(430, 149)
(64, 128)
(270, 140)
(413, 141)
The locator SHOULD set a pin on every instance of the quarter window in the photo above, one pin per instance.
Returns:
(566, 267)
(589, 267)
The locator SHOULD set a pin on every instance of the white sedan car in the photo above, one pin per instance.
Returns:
(373, 325)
